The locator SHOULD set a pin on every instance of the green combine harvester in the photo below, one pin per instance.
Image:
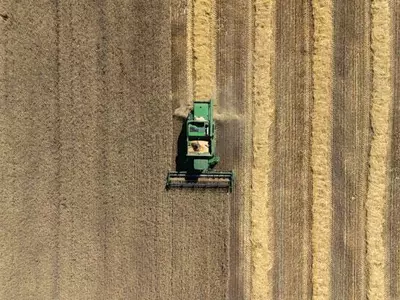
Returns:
(197, 157)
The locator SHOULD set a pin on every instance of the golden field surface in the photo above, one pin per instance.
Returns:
(308, 116)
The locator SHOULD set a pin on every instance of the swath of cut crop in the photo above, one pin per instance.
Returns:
(263, 116)
(203, 35)
(380, 145)
(181, 63)
(393, 226)
(321, 149)
(181, 53)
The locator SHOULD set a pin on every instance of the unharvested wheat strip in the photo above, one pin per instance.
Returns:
(4, 7)
(380, 145)
(321, 148)
(28, 162)
(203, 33)
(6, 236)
(263, 93)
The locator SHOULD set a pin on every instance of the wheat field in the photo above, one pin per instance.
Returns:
(308, 117)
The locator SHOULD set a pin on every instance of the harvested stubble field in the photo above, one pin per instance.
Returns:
(308, 115)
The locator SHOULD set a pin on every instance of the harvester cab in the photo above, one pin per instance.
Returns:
(200, 157)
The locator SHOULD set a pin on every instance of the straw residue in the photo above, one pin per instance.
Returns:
(380, 145)
(321, 148)
(204, 48)
(263, 93)
(189, 52)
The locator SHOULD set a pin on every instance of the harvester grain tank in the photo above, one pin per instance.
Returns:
(199, 155)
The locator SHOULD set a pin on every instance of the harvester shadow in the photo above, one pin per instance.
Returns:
(180, 160)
